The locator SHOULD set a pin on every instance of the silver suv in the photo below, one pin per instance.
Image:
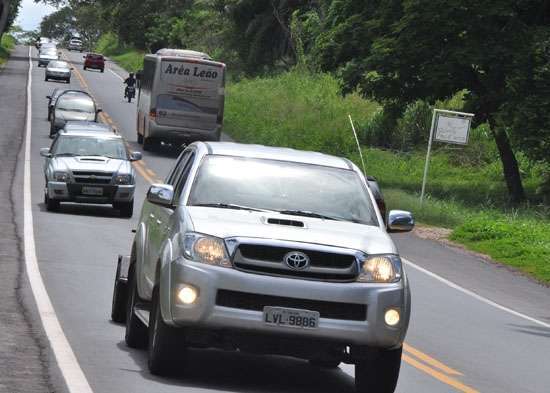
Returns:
(267, 250)
(89, 167)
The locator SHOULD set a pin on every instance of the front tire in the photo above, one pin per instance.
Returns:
(52, 205)
(148, 144)
(166, 343)
(120, 299)
(136, 332)
(379, 372)
(126, 208)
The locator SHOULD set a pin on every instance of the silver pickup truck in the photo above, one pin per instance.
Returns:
(271, 251)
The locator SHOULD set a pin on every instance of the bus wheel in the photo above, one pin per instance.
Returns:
(148, 144)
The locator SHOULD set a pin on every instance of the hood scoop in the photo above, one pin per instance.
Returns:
(92, 159)
(282, 221)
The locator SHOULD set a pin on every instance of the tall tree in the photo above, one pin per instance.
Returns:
(400, 51)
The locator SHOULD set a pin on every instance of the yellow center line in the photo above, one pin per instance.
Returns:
(442, 375)
(430, 360)
(439, 375)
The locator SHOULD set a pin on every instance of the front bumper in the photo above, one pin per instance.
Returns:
(72, 192)
(207, 313)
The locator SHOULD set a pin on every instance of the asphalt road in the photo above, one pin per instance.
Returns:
(457, 341)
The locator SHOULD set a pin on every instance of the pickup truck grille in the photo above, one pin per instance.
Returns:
(255, 302)
(269, 260)
(83, 177)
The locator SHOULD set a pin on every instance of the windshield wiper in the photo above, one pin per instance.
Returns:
(65, 155)
(306, 213)
(228, 206)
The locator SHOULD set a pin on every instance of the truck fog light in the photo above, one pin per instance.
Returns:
(392, 317)
(187, 294)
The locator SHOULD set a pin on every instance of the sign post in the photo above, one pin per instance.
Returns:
(449, 127)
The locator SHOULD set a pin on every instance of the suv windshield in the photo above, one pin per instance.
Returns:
(72, 145)
(288, 187)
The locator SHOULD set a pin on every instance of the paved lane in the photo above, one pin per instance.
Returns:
(455, 343)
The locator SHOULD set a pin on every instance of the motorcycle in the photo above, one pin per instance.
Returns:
(130, 93)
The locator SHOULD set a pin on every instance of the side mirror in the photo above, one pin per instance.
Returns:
(135, 156)
(72, 68)
(161, 194)
(45, 152)
(49, 97)
(99, 110)
(400, 221)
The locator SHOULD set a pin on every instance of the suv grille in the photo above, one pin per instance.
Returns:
(324, 266)
(92, 177)
(254, 302)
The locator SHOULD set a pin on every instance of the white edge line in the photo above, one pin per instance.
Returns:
(475, 295)
(117, 75)
(66, 360)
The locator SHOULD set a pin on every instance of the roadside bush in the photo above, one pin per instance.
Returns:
(295, 109)
(7, 43)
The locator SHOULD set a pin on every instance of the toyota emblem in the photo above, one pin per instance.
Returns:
(296, 260)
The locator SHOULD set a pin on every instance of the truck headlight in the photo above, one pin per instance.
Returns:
(205, 249)
(380, 269)
(123, 179)
(61, 176)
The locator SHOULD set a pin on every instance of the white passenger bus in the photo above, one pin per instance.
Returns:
(180, 98)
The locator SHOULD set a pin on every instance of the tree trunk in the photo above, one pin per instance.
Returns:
(4, 11)
(509, 165)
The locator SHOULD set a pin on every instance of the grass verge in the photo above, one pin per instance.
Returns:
(128, 58)
(7, 43)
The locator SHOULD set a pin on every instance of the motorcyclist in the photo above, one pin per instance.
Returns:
(129, 82)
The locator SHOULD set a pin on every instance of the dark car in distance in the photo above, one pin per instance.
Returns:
(94, 61)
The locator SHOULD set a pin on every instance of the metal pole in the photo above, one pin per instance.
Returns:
(427, 158)
(358, 145)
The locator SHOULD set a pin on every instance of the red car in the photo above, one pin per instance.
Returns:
(95, 61)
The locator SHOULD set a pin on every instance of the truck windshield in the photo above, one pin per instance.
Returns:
(288, 187)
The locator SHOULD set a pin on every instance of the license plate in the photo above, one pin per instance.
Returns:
(92, 191)
(289, 317)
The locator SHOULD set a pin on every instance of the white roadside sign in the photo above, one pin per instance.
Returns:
(451, 128)
(447, 127)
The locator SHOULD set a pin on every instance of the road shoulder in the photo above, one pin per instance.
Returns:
(24, 354)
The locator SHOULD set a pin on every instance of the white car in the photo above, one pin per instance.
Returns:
(75, 44)
(58, 70)
(268, 250)
(89, 167)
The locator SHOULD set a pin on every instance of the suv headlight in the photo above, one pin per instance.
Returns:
(380, 269)
(205, 249)
(61, 176)
(123, 179)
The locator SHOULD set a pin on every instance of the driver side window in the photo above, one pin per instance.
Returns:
(182, 177)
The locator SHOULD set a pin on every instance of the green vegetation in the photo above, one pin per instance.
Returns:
(128, 58)
(7, 43)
